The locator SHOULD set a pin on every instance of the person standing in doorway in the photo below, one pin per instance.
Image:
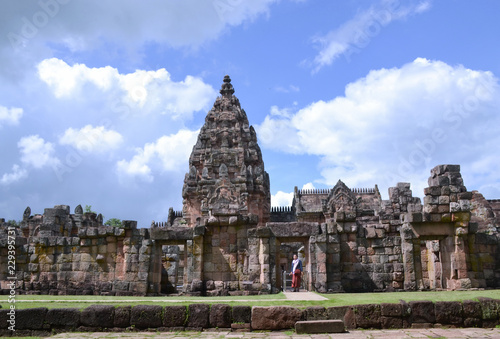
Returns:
(296, 273)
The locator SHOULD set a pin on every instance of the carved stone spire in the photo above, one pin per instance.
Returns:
(227, 89)
(226, 175)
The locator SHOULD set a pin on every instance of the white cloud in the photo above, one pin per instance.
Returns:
(143, 91)
(91, 139)
(285, 199)
(308, 186)
(282, 199)
(68, 22)
(277, 132)
(17, 174)
(37, 152)
(395, 124)
(357, 33)
(167, 153)
(10, 116)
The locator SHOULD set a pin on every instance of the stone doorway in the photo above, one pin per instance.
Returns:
(172, 269)
(286, 248)
(168, 273)
(434, 268)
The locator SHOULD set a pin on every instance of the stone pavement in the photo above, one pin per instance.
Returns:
(303, 296)
(452, 333)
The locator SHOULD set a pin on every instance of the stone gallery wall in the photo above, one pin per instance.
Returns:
(59, 257)
(197, 317)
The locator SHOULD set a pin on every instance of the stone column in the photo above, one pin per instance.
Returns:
(407, 236)
(274, 271)
(154, 277)
(320, 248)
(264, 235)
(253, 270)
(197, 258)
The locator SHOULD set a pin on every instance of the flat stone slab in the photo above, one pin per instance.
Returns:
(319, 326)
(303, 296)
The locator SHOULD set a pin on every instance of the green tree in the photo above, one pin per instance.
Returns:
(13, 223)
(113, 222)
(88, 209)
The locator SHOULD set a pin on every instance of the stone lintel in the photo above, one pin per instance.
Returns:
(294, 229)
(433, 229)
(172, 233)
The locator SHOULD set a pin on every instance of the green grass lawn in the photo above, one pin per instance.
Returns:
(339, 299)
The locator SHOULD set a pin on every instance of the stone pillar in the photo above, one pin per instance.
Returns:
(154, 277)
(320, 250)
(334, 282)
(273, 264)
(197, 258)
(265, 267)
(253, 260)
(407, 236)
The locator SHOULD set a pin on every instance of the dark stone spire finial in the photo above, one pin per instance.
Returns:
(227, 89)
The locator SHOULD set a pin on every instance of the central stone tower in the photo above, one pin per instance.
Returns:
(226, 183)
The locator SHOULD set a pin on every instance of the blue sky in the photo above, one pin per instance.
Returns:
(100, 102)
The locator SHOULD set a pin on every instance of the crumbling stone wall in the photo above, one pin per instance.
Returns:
(60, 257)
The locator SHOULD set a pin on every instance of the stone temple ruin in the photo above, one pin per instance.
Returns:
(228, 240)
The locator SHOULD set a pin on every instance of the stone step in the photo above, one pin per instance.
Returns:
(319, 326)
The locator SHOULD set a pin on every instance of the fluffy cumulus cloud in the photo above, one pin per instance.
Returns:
(143, 91)
(17, 174)
(285, 199)
(10, 116)
(167, 153)
(37, 152)
(355, 34)
(91, 139)
(395, 124)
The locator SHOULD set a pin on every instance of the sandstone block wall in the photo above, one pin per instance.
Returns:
(196, 317)
(92, 259)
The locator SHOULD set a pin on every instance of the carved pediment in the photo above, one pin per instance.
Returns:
(341, 198)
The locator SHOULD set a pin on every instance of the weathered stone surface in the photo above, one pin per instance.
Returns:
(172, 233)
(337, 312)
(422, 312)
(473, 313)
(198, 316)
(220, 316)
(241, 314)
(122, 316)
(319, 326)
(391, 310)
(146, 316)
(294, 229)
(350, 318)
(472, 309)
(391, 322)
(98, 316)
(449, 312)
(63, 317)
(30, 318)
(489, 307)
(367, 316)
(174, 316)
(274, 317)
(316, 313)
